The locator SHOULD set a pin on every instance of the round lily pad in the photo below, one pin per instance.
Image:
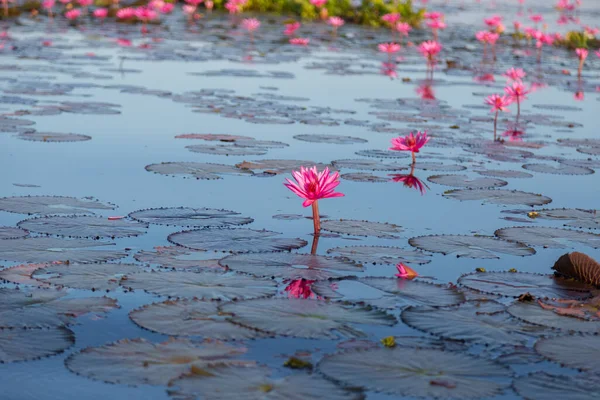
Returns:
(21, 274)
(138, 361)
(499, 196)
(543, 386)
(190, 217)
(439, 167)
(201, 285)
(190, 318)
(177, 257)
(497, 173)
(549, 237)
(275, 167)
(226, 150)
(581, 352)
(9, 232)
(196, 170)
(380, 255)
(470, 246)
(311, 319)
(367, 165)
(53, 137)
(235, 240)
(48, 205)
(428, 373)
(103, 276)
(533, 313)
(573, 217)
(376, 153)
(466, 182)
(214, 137)
(31, 344)
(514, 284)
(49, 249)
(330, 139)
(363, 177)
(362, 228)
(560, 170)
(83, 227)
(290, 266)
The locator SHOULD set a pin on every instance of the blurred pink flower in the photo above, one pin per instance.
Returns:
(581, 53)
(517, 91)
(412, 143)
(498, 103)
(48, 4)
(388, 48)
(250, 24)
(391, 18)
(403, 28)
(300, 41)
(290, 29)
(318, 3)
(100, 13)
(514, 74)
(579, 95)
(73, 14)
(536, 18)
(430, 49)
(126, 13)
(493, 21)
(336, 22)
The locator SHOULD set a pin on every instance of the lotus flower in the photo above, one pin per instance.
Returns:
(582, 55)
(126, 13)
(498, 103)
(100, 13)
(405, 272)
(514, 74)
(290, 29)
(73, 14)
(412, 143)
(336, 22)
(517, 92)
(318, 3)
(391, 18)
(300, 41)
(250, 24)
(429, 50)
(389, 48)
(300, 289)
(403, 28)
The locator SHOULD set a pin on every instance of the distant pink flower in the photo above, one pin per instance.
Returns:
(579, 96)
(336, 22)
(517, 93)
(494, 21)
(209, 4)
(100, 13)
(412, 182)
(581, 54)
(85, 3)
(498, 103)
(514, 74)
(194, 2)
(412, 143)
(250, 24)
(391, 18)
(124, 42)
(436, 24)
(318, 3)
(188, 9)
(290, 29)
(73, 14)
(388, 48)
(485, 78)
(313, 185)
(300, 289)
(597, 53)
(232, 7)
(403, 28)
(517, 25)
(430, 49)
(536, 18)
(126, 13)
(300, 41)
(433, 15)
(591, 31)
(405, 272)
(48, 4)
(167, 8)
(145, 14)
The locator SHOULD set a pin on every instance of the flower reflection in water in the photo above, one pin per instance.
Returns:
(389, 69)
(411, 181)
(514, 135)
(425, 91)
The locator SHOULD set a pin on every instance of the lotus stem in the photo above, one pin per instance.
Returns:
(315, 244)
(495, 124)
(316, 217)
(414, 158)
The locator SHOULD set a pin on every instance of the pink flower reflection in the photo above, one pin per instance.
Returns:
(300, 289)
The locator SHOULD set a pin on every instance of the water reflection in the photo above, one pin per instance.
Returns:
(411, 181)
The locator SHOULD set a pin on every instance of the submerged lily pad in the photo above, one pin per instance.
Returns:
(475, 321)
(256, 383)
(330, 139)
(428, 373)
(311, 319)
(31, 344)
(362, 228)
(191, 217)
(499, 196)
(83, 227)
(235, 240)
(514, 284)
(290, 266)
(48, 249)
(201, 285)
(177, 257)
(53, 137)
(49, 205)
(549, 237)
(466, 182)
(196, 170)
(381, 255)
(470, 246)
(533, 313)
(543, 386)
(561, 170)
(101, 276)
(9, 232)
(581, 352)
(190, 318)
(138, 361)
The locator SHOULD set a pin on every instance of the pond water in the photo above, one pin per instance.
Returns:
(95, 111)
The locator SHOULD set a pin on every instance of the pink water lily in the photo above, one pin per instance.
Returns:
(412, 143)
(516, 93)
(312, 186)
(403, 28)
(300, 41)
(100, 13)
(73, 14)
(300, 289)
(290, 29)
(405, 272)
(391, 18)
(498, 103)
(389, 49)
(411, 181)
(126, 13)
(430, 50)
(582, 55)
(514, 74)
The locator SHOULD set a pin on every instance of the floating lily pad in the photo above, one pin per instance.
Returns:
(201, 285)
(177, 257)
(311, 319)
(191, 217)
(330, 139)
(48, 249)
(31, 344)
(291, 266)
(581, 352)
(439, 167)
(48, 205)
(21, 274)
(368, 165)
(196, 170)
(53, 137)
(380, 255)
(101, 276)
(256, 383)
(514, 284)
(190, 318)
(362, 228)
(376, 153)
(499, 196)
(214, 137)
(543, 386)
(275, 167)
(474, 321)
(225, 150)
(470, 246)
(549, 237)
(560, 170)
(578, 266)
(428, 373)
(83, 227)
(235, 240)
(533, 313)
(466, 182)
(363, 177)
(9, 232)
(572, 217)
(497, 173)
(138, 361)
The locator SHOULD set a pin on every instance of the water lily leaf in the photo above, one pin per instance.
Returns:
(581, 352)
(177, 257)
(498, 173)
(201, 285)
(330, 139)
(48, 249)
(380, 255)
(190, 318)
(31, 344)
(367, 165)
(592, 151)
(190, 217)
(560, 170)
(48, 205)
(499, 196)
(53, 137)
(470, 246)
(533, 313)
(226, 150)
(549, 237)
(256, 383)
(474, 321)
(311, 319)
(196, 170)
(363, 177)
(21, 274)
(439, 167)
(572, 217)
(214, 137)
(235, 240)
(9, 232)
(101, 276)
(276, 167)
(362, 228)
(138, 361)
(514, 284)
(428, 373)
(291, 266)
(466, 182)
(382, 153)
(543, 386)
(83, 227)
(578, 266)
